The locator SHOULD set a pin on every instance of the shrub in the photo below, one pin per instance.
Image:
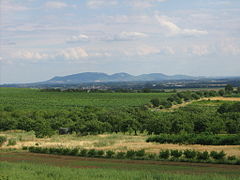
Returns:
(74, 152)
(232, 158)
(130, 154)
(155, 102)
(66, 151)
(152, 156)
(176, 153)
(100, 153)
(24, 148)
(164, 154)
(203, 155)
(120, 155)
(218, 155)
(110, 154)
(92, 153)
(190, 154)
(203, 139)
(12, 142)
(83, 153)
(3, 139)
(140, 153)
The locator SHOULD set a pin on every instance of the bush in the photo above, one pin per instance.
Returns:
(3, 139)
(24, 148)
(203, 155)
(130, 154)
(203, 139)
(140, 153)
(232, 158)
(92, 153)
(120, 155)
(190, 154)
(74, 152)
(176, 153)
(110, 154)
(152, 156)
(100, 153)
(12, 142)
(83, 153)
(217, 155)
(155, 102)
(164, 154)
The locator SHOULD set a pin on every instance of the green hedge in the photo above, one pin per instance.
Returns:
(203, 139)
(171, 155)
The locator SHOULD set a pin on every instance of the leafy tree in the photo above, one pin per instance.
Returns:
(221, 92)
(155, 102)
(229, 88)
(238, 89)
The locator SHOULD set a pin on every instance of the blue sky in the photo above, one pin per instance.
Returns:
(42, 38)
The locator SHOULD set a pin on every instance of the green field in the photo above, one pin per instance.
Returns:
(29, 166)
(35, 99)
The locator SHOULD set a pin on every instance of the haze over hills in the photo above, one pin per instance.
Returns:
(88, 77)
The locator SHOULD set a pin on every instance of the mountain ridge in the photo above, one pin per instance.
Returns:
(90, 77)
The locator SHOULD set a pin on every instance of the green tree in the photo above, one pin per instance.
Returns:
(155, 102)
(229, 88)
(238, 89)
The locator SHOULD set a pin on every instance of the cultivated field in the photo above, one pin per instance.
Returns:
(35, 99)
(29, 166)
(47, 111)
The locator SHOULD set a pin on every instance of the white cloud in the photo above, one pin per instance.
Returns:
(173, 29)
(230, 46)
(55, 4)
(199, 50)
(78, 38)
(101, 3)
(125, 36)
(31, 55)
(132, 35)
(7, 6)
(144, 3)
(5, 61)
(74, 53)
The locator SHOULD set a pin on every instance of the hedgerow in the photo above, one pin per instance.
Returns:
(170, 155)
(203, 139)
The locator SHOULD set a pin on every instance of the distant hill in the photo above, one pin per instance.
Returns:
(89, 77)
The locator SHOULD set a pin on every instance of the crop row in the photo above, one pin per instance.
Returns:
(169, 155)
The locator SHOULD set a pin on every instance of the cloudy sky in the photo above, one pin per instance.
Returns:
(43, 38)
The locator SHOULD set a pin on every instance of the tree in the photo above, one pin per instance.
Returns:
(221, 92)
(155, 102)
(238, 89)
(229, 88)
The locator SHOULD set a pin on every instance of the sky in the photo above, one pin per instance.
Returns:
(40, 39)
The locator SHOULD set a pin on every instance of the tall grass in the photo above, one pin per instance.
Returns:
(28, 171)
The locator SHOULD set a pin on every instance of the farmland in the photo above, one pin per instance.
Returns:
(116, 122)
(36, 166)
(35, 99)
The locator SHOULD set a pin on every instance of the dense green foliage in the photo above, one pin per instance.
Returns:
(173, 155)
(199, 117)
(203, 139)
(3, 139)
(35, 99)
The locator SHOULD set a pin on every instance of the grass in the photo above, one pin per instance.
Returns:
(34, 99)
(36, 166)
(116, 142)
